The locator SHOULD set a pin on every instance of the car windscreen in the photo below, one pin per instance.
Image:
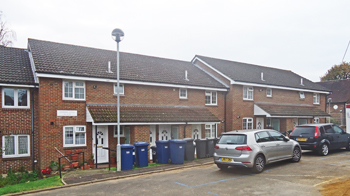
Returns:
(305, 131)
(233, 139)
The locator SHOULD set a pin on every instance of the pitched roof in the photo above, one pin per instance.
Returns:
(15, 66)
(291, 110)
(149, 114)
(65, 59)
(244, 72)
(340, 90)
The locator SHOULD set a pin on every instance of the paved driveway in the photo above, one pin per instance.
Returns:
(304, 178)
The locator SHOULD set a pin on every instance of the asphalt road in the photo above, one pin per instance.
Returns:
(284, 178)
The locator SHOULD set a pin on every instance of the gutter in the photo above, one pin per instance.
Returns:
(225, 112)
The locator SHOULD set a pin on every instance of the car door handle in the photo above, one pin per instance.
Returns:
(263, 146)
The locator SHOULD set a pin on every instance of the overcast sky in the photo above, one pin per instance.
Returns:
(306, 37)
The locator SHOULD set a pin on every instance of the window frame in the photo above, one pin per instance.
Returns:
(122, 130)
(120, 85)
(73, 92)
(268, 95)
(248, 89)
(15, 96)
(301, 95)
(317, 96)
(252, 123)
(183, 97)
(213, 133)
(211, 97)
(16, 146)
(74, 132)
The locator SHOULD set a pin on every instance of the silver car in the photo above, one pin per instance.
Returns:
(254, 149)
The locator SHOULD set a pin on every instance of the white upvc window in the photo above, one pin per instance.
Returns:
(210, 98)
(122, 131)
(120, 89)
(15, 98)
(183, 93)
(15, 146)
(73, 90)
(248, 93)
(247, 123)
(74, 135)
(210, 130)
(268, 92)
(302, 95)
(316, 98)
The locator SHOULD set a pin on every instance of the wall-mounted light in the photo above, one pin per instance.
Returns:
(238, 117)
(95, 86)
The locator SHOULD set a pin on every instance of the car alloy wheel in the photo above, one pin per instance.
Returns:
(324, 150)
(259, 164)
(296, 154)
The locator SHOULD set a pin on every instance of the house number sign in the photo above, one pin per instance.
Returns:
(67, 113)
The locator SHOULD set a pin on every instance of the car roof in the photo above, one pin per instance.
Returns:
(246, 131)
(314, 125)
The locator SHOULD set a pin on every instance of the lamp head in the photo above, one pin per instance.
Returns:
(117, 35)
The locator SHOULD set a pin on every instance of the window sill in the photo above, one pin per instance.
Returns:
(182, 98)
(248, 99)
(78, 100)
(14, 107)
(211, 105)
(316, 103)
(26, 157)
(121, 95)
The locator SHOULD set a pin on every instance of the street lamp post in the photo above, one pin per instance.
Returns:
(117, 35)
(329, 109)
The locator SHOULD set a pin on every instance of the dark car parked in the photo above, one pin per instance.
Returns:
(321, 137)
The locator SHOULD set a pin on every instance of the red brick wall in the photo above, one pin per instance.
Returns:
(18, 121)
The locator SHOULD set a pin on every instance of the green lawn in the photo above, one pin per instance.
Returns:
(39, 184)
(134, 167)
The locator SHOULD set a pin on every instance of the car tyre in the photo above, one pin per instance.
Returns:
(222, 167)
(259, 164)
(324, 150)
(296, 155)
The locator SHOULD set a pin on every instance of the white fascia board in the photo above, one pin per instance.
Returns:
(32, 65)
(211, 67)
(18, 85)
(294, 116)
(260, 112)
(154, 123)
(279, 87)
(127, 82)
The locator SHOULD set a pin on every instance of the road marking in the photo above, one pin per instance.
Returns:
(338, 163)
(333, 156)
(326, 181)
(213, 193)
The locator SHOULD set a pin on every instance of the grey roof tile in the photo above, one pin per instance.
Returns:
(340, 90)
(65, 59)
(15, 66)
(244, 72)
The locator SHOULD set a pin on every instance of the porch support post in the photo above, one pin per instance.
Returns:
(96, 144)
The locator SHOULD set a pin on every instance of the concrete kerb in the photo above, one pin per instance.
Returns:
(111, 178)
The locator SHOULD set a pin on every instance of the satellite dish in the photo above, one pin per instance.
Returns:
(335, 107)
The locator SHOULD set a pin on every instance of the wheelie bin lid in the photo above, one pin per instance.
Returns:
(141, 144)
(178, 141)
(188, 139)
(162, 141)
(126, 146)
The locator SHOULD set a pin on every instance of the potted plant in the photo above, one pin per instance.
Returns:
(54, 165)
(91, 161)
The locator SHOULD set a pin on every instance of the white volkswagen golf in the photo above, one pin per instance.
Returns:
(254, 149)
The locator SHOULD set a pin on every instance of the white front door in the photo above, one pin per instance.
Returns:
(102, 141)
(196, 132)
(259, 123)
(164, 132)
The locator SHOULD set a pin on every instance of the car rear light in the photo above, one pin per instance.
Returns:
(244, 148)
(317, 133)
(216, 147)
(291, 132)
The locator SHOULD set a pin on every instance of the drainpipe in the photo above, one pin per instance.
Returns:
(225, 112)
(32, 116)
(185, 130)
(96, 144)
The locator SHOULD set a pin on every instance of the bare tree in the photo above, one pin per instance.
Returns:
(6, 35)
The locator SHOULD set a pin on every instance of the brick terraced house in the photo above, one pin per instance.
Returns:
(17, 113)
(160, 99)
(264, 97)
(65, 96)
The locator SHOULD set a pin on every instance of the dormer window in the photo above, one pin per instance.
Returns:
(302, 95)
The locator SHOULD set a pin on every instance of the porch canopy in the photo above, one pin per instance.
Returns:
(288, 110)
(106, 114)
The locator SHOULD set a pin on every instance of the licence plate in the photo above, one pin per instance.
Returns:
(302, 139)
(226, 159)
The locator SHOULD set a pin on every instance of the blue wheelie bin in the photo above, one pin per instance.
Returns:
(141, 154)
(177, 151)
(126, 156)
(163, 151)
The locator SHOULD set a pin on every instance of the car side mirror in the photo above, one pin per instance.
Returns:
(286, 139)
(343, 131)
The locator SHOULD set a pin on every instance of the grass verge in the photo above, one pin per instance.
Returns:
(134, 167)
(39, 184)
